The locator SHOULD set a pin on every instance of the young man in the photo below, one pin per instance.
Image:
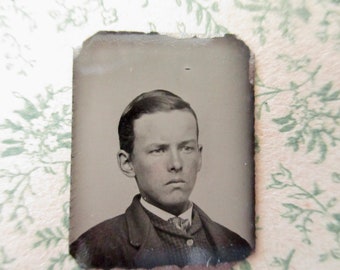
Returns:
(158, 133)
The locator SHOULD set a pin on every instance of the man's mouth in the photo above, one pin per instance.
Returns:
(175, 181)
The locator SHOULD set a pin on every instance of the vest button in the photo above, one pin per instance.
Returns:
(190, 242)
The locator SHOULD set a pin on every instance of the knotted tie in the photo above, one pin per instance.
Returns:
(180, 223)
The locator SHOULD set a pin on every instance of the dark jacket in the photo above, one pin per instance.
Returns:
(131, 241)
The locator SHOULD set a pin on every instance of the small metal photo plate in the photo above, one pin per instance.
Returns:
(162, 152)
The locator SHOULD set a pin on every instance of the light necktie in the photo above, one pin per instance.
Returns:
(180, 223)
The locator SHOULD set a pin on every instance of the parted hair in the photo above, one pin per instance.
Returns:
(147, 103)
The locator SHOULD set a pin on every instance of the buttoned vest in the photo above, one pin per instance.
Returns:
(183, 248)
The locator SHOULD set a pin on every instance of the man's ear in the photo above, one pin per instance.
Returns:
(200, 149)
(124, 163)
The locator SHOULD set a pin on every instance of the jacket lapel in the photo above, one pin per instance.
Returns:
(143, 237)
(148, 248)
(221, 241)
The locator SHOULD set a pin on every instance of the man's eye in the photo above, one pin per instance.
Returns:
(157, 151)
(188, 149)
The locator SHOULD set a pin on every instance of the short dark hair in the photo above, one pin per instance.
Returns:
(146, 103)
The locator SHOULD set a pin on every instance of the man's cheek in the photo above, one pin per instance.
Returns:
(155, 168)
(158, 170)
(193, 165)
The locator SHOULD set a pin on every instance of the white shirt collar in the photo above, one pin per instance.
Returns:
(165, 215)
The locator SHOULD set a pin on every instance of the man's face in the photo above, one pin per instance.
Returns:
(166, 158)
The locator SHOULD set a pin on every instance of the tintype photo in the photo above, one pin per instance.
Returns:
(162, 152)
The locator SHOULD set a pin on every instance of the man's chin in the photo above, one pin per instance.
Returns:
(178, 206)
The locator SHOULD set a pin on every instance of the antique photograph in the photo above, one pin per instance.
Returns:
(162, 152)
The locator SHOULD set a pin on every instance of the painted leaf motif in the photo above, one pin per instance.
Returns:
(58, 262)
(331, 97)
(336, 177)
(66, 135)
(277, 262)
(334, 227)
(337, 217)
(245, 265)
(215, 7)
(299, 196)
(181, 27)
(293, 211)
(11, 125)
(65, 145)
(199, 15)
(281, 179)
(311, 143)
(189, 6)
(322, 36)
(293, 85)
(325, 89)
(323, 257)
(303, 228)
(49, 170)
(287, 128)
(29, 112)
(208, 23)
(307, 241)
(10, 141)
(293, 142)
(331, 202)
(12, 151)
(283, 262)
(283, 120)
(336, 253)
(49, 237)
(323, 148)
(250, 7)
(152, 27)
(317, 191)
(303, 13)
(220, 29)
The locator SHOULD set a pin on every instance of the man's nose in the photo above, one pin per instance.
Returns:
(175, 161)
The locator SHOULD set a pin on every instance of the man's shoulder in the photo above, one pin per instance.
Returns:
(215, 227)
(230, 236)
(104, 228)
(100, 241)
(231, 246)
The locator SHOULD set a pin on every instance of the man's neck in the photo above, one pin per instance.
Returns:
(165, 215)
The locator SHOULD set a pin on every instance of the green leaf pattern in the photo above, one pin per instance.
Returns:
(292, 15)
(5, 260)
(312, 119)
(304, 207)
(204, 15)
(297, 103)
(16, 55)
(69, 15)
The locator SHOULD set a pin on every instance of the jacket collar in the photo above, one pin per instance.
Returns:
(137, 222)
(228, 245)
(143, 236)
(140, 229)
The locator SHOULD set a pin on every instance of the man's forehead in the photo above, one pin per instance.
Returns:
(179, 123)
(160, 116)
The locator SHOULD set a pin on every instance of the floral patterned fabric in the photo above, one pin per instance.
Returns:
(297, 111)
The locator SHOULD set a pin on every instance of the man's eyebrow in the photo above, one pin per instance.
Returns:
(188, 141)
(157, 145)
(163, 145)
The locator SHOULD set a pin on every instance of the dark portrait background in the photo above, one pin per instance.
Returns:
(211, 74)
